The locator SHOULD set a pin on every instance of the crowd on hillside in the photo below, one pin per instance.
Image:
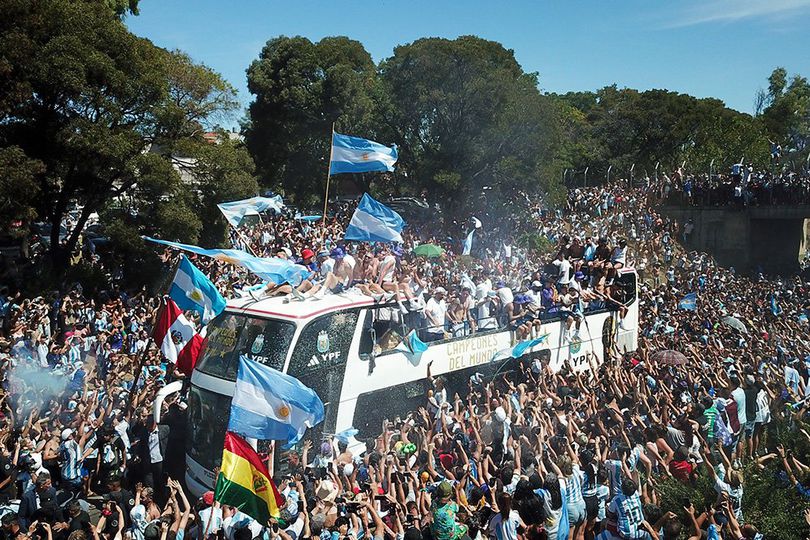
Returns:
(531, 454)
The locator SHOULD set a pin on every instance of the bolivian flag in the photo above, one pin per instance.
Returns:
(244, 482)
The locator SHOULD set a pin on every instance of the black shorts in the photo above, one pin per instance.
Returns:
(591, 507)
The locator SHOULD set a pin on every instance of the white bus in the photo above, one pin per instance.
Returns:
(347, 348)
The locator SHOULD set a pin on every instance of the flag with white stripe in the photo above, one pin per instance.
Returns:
(192, 290)
(374, 222)
(270, 405)
(356, 155)
(177, 337)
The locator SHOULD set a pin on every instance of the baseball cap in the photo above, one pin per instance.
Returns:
(66, 433)
(307, 254)
(440, 290)
(537, 285)
(579, 275)
(337, 253)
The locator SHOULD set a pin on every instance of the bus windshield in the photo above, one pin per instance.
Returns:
(231, 336)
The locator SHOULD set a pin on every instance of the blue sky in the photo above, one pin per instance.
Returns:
(720, 48)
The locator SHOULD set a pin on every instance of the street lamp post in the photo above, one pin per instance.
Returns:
(586, 176)
(632, 168)
(608, 173)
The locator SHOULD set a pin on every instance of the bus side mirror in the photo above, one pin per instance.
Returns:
(366, 352)
(368, 356)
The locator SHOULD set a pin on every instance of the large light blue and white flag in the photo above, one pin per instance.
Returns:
(273, 269)
(374, 222)
(468, 243)
(235, 211)
(192, 290)
(270, 405)
(356, 155)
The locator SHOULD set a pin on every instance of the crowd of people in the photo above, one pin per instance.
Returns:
(743, 186)
(531, 454)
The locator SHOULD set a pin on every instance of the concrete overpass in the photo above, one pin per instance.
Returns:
(771, 237)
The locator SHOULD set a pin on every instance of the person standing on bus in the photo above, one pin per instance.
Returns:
(436, 313)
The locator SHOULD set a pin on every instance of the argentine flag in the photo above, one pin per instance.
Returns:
(356, 155)
(374, 222)
(273, 269)
(235, 211)
(688, 302)
(192, 290)
(271, 405)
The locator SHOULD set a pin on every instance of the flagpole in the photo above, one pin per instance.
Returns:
(328, 176)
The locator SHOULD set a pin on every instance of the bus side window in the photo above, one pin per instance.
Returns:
(628, 283)
(389, 402)
(383, 330)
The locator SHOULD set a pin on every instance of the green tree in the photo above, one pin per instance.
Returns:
(786, 113)
(124, 7)
(301, 89)
(18, 188)
(101, 110)
(623, 127)
(224, 172)
(467, 117)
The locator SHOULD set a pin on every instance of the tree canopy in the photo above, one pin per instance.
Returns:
(474, 129)
(302, 89)
(92, 116)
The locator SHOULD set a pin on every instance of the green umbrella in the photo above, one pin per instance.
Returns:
(428, 250)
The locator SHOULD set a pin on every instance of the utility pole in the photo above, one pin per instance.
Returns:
(632, 168)
(586, 176)
(611, 166)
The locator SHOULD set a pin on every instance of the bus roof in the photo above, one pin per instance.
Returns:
(277, 308)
